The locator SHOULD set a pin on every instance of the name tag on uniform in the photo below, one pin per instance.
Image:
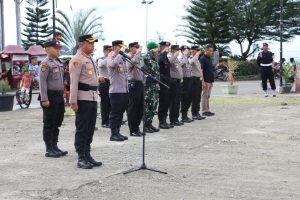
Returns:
(55, 70)
(90, 72)
(120, 69)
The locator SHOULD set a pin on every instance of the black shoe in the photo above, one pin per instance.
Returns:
(116, 138)
(52, 154)
(181, 123)
(175, 124)
(63, 153)
(123, 136)
(123, 122)
(105, 125)
(195, 117)
(198, 117)
(91, 160)
(136, 134)
(149, 129)
(208, 114)
(170, 125)
(164, 125)
(187, 120)
(153, 128)
(83, 163)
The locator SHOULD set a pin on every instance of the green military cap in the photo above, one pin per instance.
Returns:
(152, 45)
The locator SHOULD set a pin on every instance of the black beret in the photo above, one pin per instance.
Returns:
(52, 43)
(183, 47)
(107, 47)
(87, 38)
(164, 43)
(118, 43)
(134, 44)
(195, 48)
(175, 47)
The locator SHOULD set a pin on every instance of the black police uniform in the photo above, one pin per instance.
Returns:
(265, 61)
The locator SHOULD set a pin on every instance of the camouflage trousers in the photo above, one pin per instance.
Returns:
(151, 101)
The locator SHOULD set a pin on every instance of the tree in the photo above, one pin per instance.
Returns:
(256, 20)
(36, 30)
(81, 23)
(207, 22)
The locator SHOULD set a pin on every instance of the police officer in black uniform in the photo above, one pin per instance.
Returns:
(51, 97)
(265, 61)
(164, 93)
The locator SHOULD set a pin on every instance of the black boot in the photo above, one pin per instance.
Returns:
(148, 129)
(55, 148)
(153, 128)
(123, 136)
(50, 152)
(115, 136)
(91, 160)
(186, 119)
(83, 163)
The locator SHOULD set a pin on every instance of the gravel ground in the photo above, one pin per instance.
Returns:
(249, 150)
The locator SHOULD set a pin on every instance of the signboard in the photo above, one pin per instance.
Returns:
(20, 58)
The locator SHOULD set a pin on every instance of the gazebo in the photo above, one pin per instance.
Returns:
(38, 51)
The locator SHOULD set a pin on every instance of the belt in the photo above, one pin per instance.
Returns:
(86, 87)
(55, 92)
(135, 81)
(266, 65)
(175, 79)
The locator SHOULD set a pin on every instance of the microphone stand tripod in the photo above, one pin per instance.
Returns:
(144, 166)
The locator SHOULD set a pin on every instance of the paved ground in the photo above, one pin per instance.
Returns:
(249, 150)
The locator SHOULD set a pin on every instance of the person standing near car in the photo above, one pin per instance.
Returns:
(51, 97)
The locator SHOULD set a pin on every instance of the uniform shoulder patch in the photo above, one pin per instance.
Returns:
(44, 67)
(76, 63)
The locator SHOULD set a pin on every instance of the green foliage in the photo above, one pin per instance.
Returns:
(243, 21)
(36, 30)
(80, 23)
(4, 86)
(207, 22)
(287, 73)
(247, 68)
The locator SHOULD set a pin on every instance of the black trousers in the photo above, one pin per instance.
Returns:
(53, 117)
(119, 103)
(267, 74)
(164, 99)
(186, 95)
(135, 105)
(196, 95)
(175, 93)
(85, 122)
(105, 102)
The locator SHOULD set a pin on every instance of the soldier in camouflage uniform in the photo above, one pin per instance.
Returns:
(151, 87)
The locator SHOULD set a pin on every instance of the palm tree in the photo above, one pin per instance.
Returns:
(81, 23)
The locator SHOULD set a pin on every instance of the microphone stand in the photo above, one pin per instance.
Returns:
(143, 166)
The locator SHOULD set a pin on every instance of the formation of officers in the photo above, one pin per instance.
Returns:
(122, 87)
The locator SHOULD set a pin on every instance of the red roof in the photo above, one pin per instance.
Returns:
(36, 50)
(13, 49)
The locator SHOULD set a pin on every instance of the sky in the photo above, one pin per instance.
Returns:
(126, 20)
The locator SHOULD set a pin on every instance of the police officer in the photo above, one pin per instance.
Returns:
(51, 97)
(186, 94)
(83, 99)
(150, 60)
(118, 90)
(164, 93)
(175, 86)
(265, 61)
(136, 89)
(196, 83)
(104, 86)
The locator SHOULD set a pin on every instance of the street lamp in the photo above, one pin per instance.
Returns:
(281, 32)
(147, 3)
(54, 3)
(1, 26)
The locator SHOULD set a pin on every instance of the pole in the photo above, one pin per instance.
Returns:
(281, 31)
(2, 43)
(18, 21)
(53, 18)
(146, 3)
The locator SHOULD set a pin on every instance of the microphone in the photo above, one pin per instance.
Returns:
(124, 55)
